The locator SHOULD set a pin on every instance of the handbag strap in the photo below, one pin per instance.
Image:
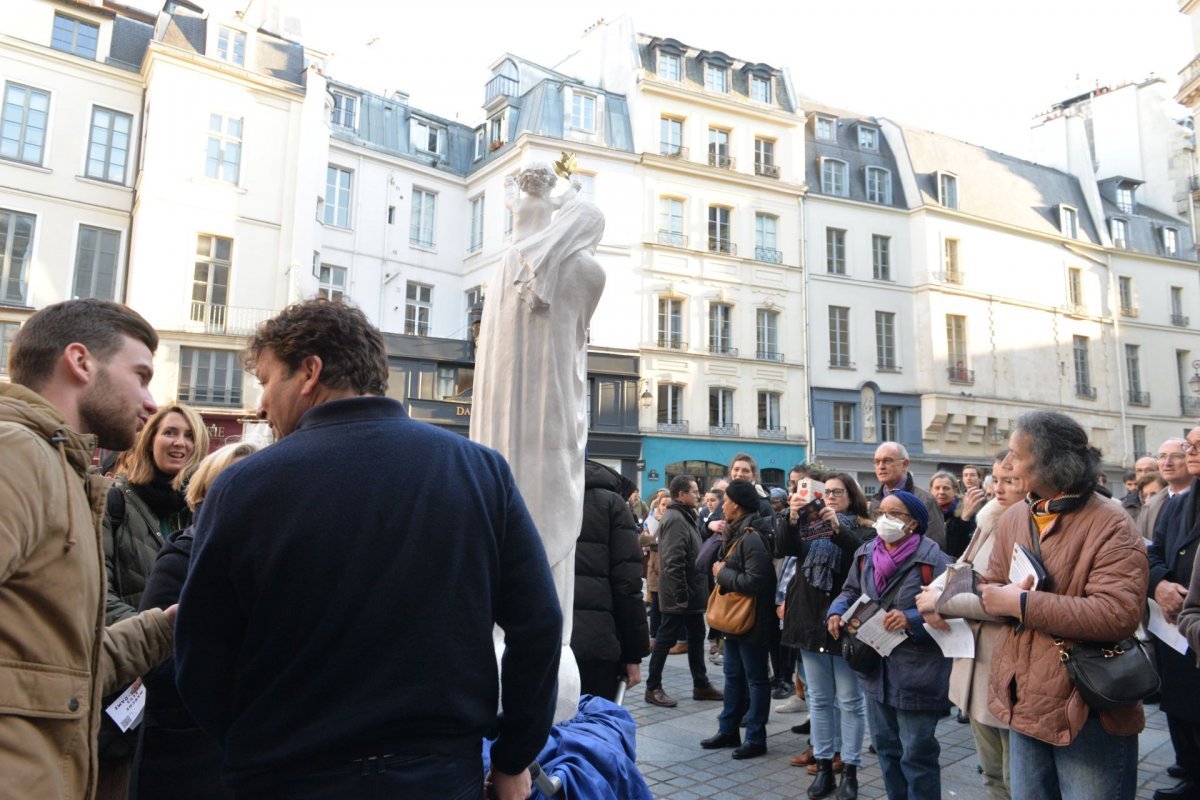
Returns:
(886, 600)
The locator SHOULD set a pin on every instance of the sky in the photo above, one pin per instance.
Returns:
(976, 71)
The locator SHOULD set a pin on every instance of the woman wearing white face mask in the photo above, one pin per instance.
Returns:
(906, 693)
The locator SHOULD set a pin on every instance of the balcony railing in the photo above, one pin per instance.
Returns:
(672, 238)
(841, 363)
(1194, 183)
(670, 343)
(766, 170)
(723, 430)
(1088, 392)
(768, 355)
(673, 151)
(772, 433)
(678, 426)
(1179, 320)
(1139, 398)
(720, 349)
(889, 366)
(954, 276)
(1189, 405)
(720, 160)
(997, 436)
(960, 375)
(718, 245)
(768, 254)
(500, 85)
(1189, 73)
(1076, 309)
(1129, 311)
(225, 320)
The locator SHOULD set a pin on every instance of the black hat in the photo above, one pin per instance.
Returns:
(744, 494)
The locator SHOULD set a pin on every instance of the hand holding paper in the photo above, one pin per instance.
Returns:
(1005, 601)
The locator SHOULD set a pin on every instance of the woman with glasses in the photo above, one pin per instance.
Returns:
(958, 511)
(907, 691)
(824, 549)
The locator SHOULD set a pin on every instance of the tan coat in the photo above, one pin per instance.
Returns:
(56, 657)
(1099, 570)
(653, 565)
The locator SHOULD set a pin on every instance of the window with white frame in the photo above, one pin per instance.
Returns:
(760, 89)
(224, 157)
(583, 111)
(670, 136)
(1170, 240)
(881, 257)
(7, 331)
(480, 143)
(1075, 287)
(767, 335)
(337, 197)
(428, 137)
(496, 126)
(418, 302)
(75, 36)
(835, 251)
(889, 423)
(1120, 233)
(769, 406)
(1125, 291)
(843, 422)
(1177, 315)
(885, 340)
(332, 282)
(720, 328)
(1125, 199)
(108, 145)
(956, 346)
(720, 410)
(716, 79)
(1083, 372)
(670, 323)
(718, 148)
(825, 129)
(670, 404)
(951, 271)
(1139, 441)
(210, 280)
(718, 230)
(879, 185)
(764, 157)
(1068, 220)
(16, 242)
(476, 241)
(421, 230)
(670, 222)
(209, 377)
(1133, 368)
(833, 177)
(868, 138)
(345, 110)
(669, 67)
(766, 247)
(231, 46)
(948, 190)
(96, 255)
(839, 336)
(23, 123)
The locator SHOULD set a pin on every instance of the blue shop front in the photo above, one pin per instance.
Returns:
(707, 459)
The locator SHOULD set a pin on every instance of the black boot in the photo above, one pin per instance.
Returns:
(824, 783)
(848, 788)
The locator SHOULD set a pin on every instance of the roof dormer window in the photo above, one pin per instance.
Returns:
(1068, 221)
(345, 111)
(670, 67)
(868, 138)
(825, 129)
(75, 36)
(583, 111)
(1120, 233)
(716, 78)
(948, 189)
(428, 137)
(1125, 199)
(760, 88)
(1170, 241)
(231, 46)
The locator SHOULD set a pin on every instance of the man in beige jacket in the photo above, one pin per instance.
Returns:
(80, 373)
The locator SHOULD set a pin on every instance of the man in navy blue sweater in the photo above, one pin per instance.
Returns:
(335, 630)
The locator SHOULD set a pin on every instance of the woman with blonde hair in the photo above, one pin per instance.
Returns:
(175, 759)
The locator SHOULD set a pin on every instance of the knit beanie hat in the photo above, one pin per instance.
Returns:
(778, 495)
(915, 507)
(744, 494)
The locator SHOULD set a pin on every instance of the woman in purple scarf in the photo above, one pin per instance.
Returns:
(907, 692)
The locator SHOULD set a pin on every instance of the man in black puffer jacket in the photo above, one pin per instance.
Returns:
(610, 636)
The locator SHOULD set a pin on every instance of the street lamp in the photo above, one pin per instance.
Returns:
(1194, 381)
(647, 398)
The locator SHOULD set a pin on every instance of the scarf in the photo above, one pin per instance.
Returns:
(948, 509)
(159, 497)
(824, 558)
(734, 532)
(887, 564)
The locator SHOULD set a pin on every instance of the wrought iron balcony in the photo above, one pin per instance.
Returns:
(960, 375)
(1179, 320)
(1088, 392)
(768, 254)
(673, 151)
(671, 343)
(841, 363)
(672, 238)
(500, 85)
(1129, 311)
(223, 319)
(768, 355)
(1189, 405)
(766, 170)
(678, 426)
(1139, 398)
(721, 349)
(772, 433)
(720, 160)
(887, 366)
(723, 430)
(719, 245)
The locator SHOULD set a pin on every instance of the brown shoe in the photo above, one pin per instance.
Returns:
(709, 692)
(658, 697)
(677, 649)
(804, 759)
(838, 766)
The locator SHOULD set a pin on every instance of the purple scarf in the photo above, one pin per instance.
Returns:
(888, 564)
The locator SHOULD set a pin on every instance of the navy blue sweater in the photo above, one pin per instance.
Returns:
(341, 597)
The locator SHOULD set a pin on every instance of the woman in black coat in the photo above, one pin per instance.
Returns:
(748, 569)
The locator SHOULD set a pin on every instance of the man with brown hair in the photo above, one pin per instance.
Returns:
(80, 373)
(336, 634)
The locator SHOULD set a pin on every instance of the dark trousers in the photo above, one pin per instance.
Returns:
(395, 777)
(655, 615)
(599, 678)
(1184, 736)
(673, 628)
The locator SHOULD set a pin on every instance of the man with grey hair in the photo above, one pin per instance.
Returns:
(1132, 502)
(891, 469)
(1173, 469)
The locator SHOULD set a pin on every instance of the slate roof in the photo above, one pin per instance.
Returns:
(693, 69)
(845, 148)
(187, 28)
(130, 38)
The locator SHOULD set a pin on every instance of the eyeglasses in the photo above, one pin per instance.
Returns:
(881, 462)
(835, 492)
(1170, 456)
(1191, 448)
(898, 516)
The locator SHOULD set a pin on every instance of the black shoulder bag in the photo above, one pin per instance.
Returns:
(862, 657)
(1107, 675)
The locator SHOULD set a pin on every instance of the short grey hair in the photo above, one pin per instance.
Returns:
(901, 450)
(1063, 458)
(941, 473)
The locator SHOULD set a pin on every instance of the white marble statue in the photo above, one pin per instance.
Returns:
(530, 389)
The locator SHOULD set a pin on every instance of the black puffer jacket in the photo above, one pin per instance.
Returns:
(133, 535)
(609, 616)
(749, 569)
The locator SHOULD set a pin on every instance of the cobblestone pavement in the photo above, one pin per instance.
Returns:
(676, 767)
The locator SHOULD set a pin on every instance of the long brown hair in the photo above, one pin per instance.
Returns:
(140, 467)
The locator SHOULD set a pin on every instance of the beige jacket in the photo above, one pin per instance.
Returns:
(56, 657)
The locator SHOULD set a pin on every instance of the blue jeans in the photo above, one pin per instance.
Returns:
(908, 749)
(835, 706)
(1096, 766)
(384, 778)
(746, 663)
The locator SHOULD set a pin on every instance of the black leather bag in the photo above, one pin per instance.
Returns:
(860, 656)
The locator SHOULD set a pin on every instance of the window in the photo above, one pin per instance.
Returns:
(420, 231)
(1125, 290)
(768, 411)
(767, 335)
(210, 280)
(843, 422)
(209, 377)
(1177, 317)
(1068, 220)
(1170, 239)
(474, 301)
(75, 36)
(868, 138)
(670, 323)
(824, 128)
(839, 336)
(587, 186)
(476, 242)
(948, 190)
(427, 137)
(669, 67)
(1133, 372)
(718, 230)
(718, 149)
(231, 46)
(1075, 288)
(1083, 372)
(833, 177)
(879, 185)
(716, 78)
(670, 406)
(480, 143)
(345, 110)
(1139, 441)
(889, 423)
(670, 222)
(583, 111)
(224, 148)
(760, 89)
(337, 197)
(497, 134)
(720, 411)
(764, 158)
(108, 145)
(16, 240)
(332, 282)
(950, 267)
(765, 242)
(96, 263)
(1125, 199)
(1119, 233)
(7, 331)
(23, 123)
(881, 257)
(670, 134)
(885, 340)
(720, 336)
(418, 300)
(956, 348)
(835, 251)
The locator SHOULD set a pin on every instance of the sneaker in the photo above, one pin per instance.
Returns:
(716, 659)
(658, 697)
(783, 690)
(792, 705)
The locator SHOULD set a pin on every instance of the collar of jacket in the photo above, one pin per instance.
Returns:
(688, 512)
(905, 486)
(23, 406)
(351, 409)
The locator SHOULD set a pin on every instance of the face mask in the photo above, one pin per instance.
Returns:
(890, 530)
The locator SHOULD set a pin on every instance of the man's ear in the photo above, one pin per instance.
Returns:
(79, 363)
(311, 368)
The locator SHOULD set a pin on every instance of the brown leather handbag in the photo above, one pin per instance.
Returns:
(730, 612)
